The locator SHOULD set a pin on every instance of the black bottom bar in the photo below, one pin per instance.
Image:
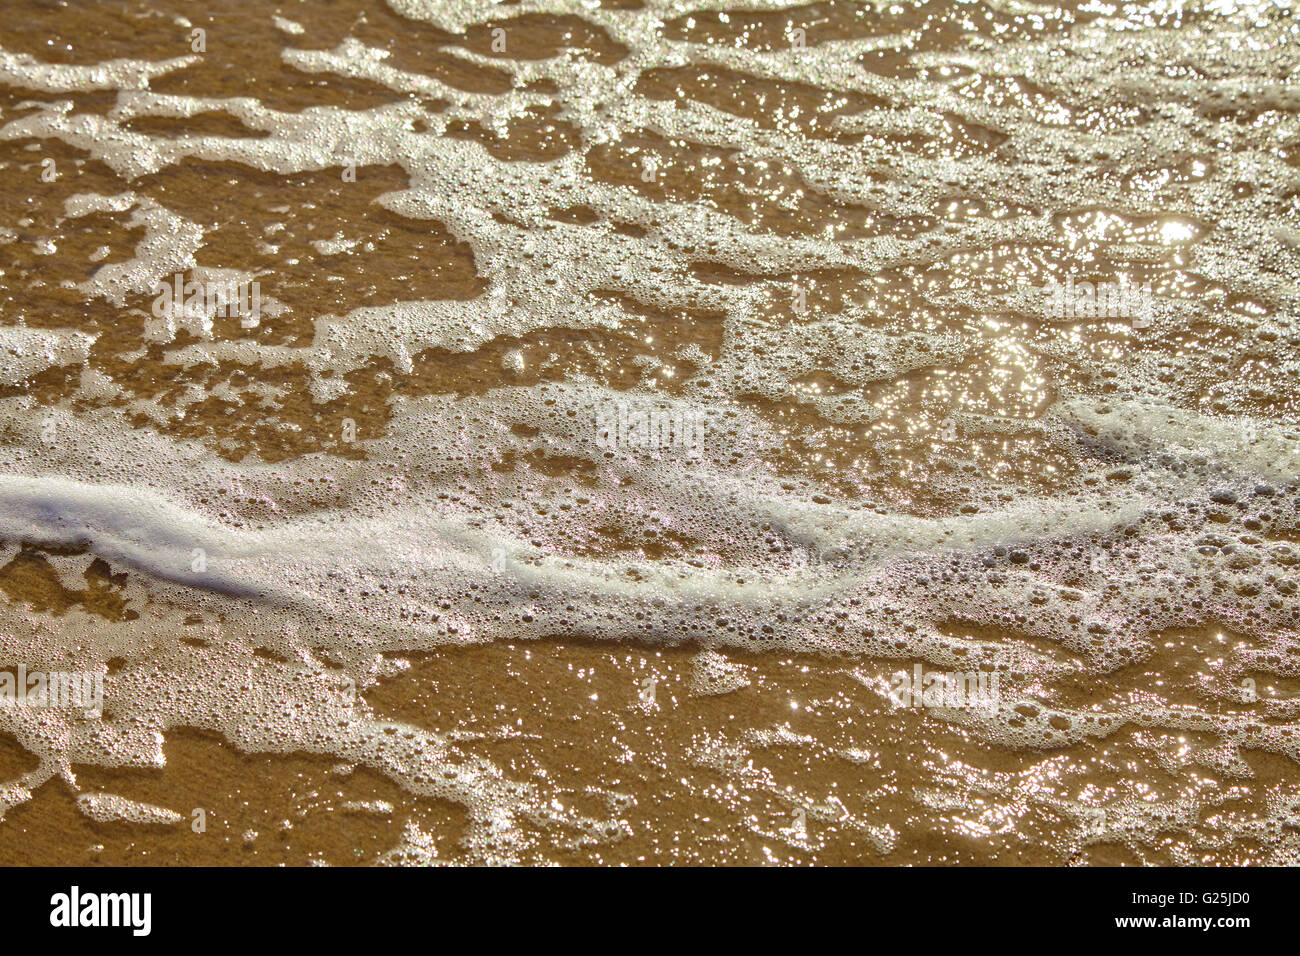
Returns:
(928, 905)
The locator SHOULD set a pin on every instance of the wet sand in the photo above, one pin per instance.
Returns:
(935, 400)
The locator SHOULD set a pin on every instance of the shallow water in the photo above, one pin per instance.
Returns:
(636, 394)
